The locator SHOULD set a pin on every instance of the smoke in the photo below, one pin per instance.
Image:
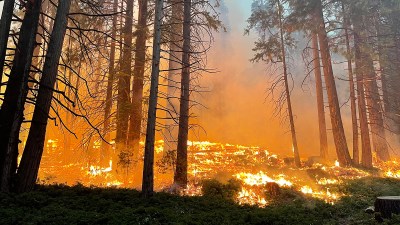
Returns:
(238, 111)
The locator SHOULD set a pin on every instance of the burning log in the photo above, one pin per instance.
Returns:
(273, 189)
(387, 205)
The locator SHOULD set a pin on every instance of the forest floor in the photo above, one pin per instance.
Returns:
(82, 205)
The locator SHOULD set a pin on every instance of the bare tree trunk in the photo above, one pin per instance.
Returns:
(148, 167)
(124, 78)
(30, 162)
(334, 107)
(175, 58)
(366, 159)
(287, 92)
(323, 138)
(180, 177)
(5, 24)
(11, 113)
(138, 80)
(105, 154)
(356, 152)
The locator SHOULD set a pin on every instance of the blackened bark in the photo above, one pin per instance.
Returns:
(5, 24)
(30, 162)
(180, 177)
(11, 113)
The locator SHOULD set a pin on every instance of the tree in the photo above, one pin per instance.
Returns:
(366, 159)
(29, 167)
(174, 70)
(110, 83)
(124, 77)
(268, 17)
(138, 79)
(180, 177)
(5, 24)
(148, 167)
(347, 24)
(11, 113)
(335, 114)
(374, 107)
(323, 139)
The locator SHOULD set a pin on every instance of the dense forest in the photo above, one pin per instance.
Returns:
(106, 94)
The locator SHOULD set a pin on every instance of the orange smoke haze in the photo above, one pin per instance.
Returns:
(238, 110)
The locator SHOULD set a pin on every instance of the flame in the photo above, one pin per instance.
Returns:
(253, 166)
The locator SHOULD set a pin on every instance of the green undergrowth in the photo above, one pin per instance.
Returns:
(82, 205)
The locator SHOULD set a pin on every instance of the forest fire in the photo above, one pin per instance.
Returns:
(254, 167)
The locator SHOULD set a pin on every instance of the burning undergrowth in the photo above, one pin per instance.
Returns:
(247, 175)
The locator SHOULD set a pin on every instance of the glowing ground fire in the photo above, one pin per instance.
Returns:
(254, 167)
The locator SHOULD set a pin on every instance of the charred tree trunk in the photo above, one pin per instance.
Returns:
(180, 177)
(138, 80)
(366, 159)
(5, 24)
(105, 155)
(148, 167)
(124, 77)
(11, 113)
(30, 162)
(354, 122)
(175, 58)
(334, 107)
(323, 139)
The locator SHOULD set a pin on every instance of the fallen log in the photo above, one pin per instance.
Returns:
(387, 205)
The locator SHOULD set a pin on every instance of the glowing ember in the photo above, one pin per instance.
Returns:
(249, 197)
(209, 160)
(262, 179)
(337, 164)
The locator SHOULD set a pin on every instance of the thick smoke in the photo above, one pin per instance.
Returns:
(238, 110)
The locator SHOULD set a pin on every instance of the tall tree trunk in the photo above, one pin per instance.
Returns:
(175, 65)
(148, 167)
(124, 78)
(105, 154)
(138, 80)
(11, 113)
(296, 153)
(354, 122)
(30, 162)
(375, 110)
(334, 107)
(323, 139)
(5, 24)
(366, 159)
(180, 177)
(389, 59)
(374, 106)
